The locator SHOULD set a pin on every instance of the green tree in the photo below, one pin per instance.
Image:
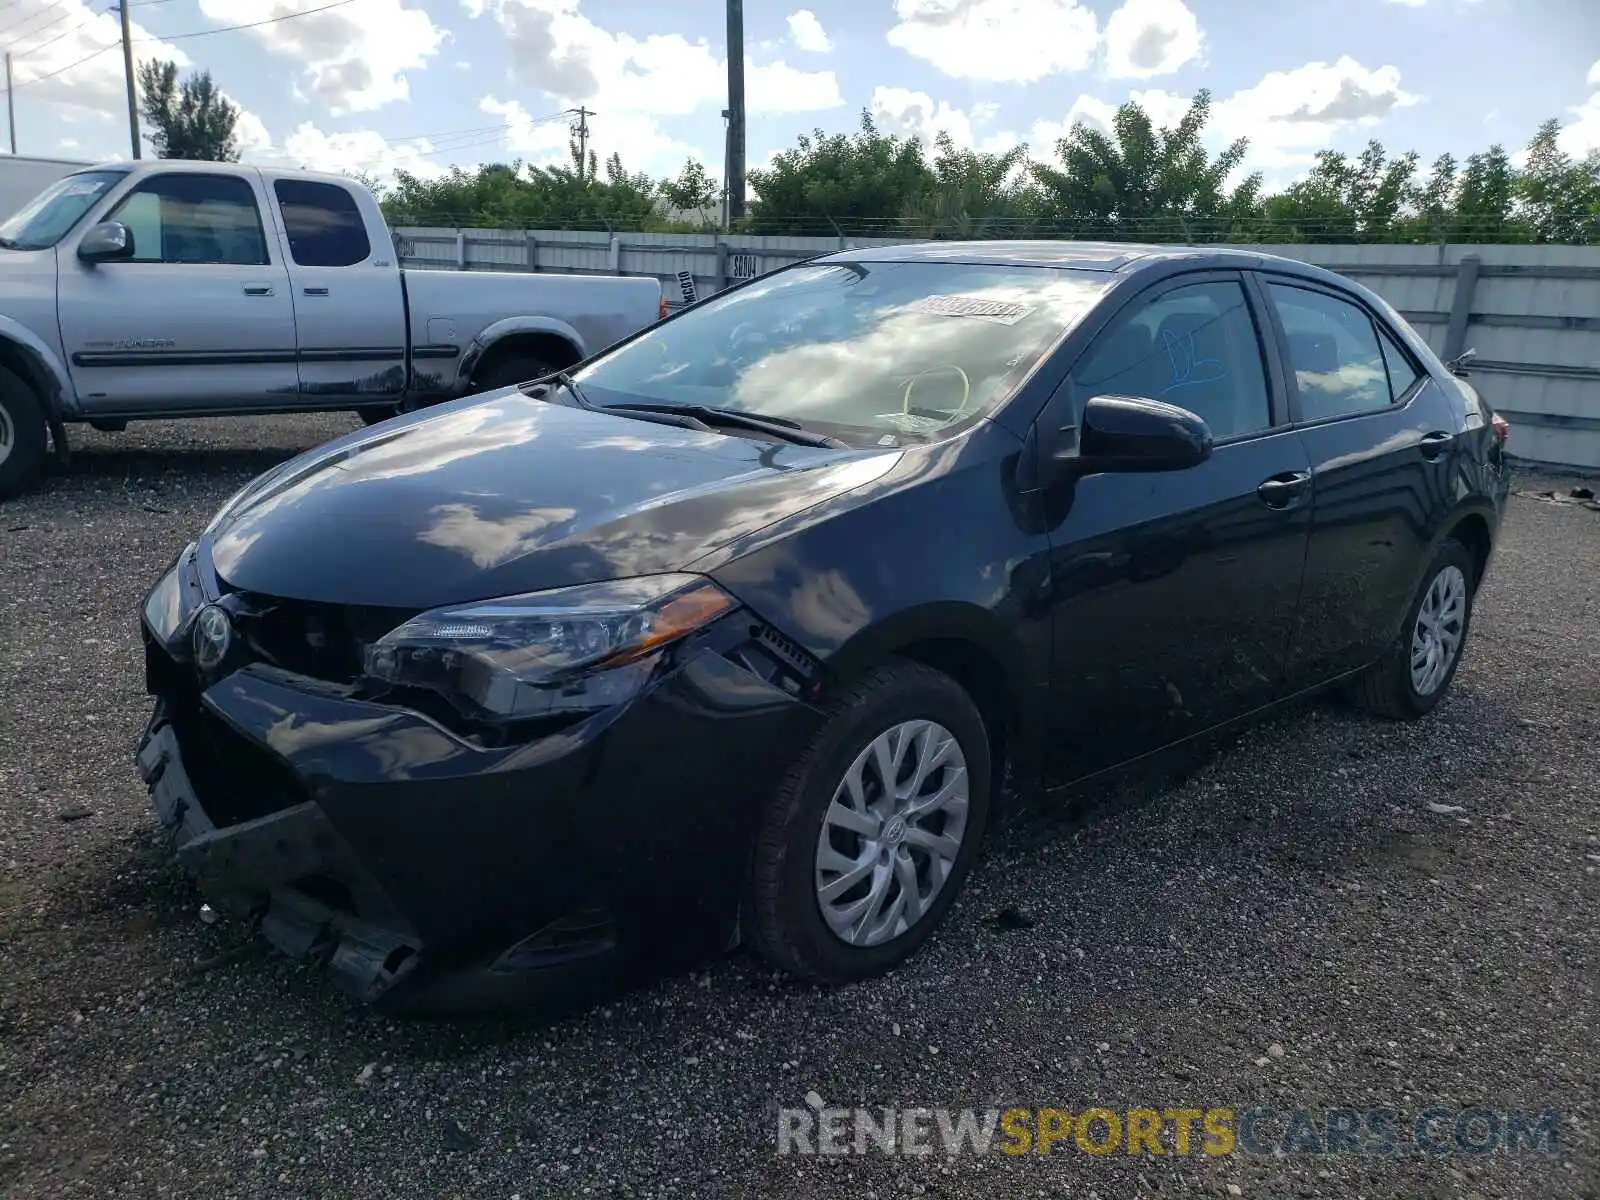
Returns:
(1560, 195)
(692, 189)
(863, 184)
(1141, 181)
(1369, 198)
(191, 119)
(973, 194)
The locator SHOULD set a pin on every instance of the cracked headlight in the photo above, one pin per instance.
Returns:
(577, 649)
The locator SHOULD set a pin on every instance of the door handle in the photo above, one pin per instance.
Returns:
(315, 291)
(1434, 444)
(257, 289)
(1284, 489)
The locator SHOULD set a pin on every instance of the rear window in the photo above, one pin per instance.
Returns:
(323, 224)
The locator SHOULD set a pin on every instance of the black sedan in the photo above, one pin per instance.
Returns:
(731, 633)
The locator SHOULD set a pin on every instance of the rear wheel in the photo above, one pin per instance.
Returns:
(371, 416)
(22, 435)
(869, 837)
(1417, 670)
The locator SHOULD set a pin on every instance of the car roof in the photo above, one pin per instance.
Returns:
(1105, 257)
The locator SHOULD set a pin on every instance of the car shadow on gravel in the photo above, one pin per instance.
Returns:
(199, 463)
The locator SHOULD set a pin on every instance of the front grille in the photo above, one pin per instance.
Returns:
(322, 641)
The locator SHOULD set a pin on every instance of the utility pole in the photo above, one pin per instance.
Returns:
(127, 67)
(733, 167)
(11, 105)
(582, 130)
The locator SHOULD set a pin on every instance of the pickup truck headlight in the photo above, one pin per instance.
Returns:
(576, 649)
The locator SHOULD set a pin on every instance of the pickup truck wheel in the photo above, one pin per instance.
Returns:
(22, 435)
(518, 368)
(382, 412)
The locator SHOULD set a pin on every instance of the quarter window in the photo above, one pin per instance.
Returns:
(1402, 374)
(194, 218)
(1334, 353)
(1195, 347)
(324, 225)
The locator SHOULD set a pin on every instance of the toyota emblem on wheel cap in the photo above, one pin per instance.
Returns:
(213, 637)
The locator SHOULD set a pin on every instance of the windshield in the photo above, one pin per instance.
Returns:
(45, 219)
(871, 352)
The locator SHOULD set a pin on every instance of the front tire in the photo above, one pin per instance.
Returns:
(514, 369)
(23, 448)
(869, 837)
(1416, 672)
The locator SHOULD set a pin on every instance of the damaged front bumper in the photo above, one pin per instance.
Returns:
(426, 872)
(251, 871)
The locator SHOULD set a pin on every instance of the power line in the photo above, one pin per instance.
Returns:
(178, 37)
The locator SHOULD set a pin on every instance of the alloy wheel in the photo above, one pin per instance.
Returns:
(8, 434)
(1436, 637)
(891, 835)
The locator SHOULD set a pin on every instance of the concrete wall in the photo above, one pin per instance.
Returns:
(1531, 312)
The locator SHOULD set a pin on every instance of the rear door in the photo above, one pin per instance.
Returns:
(199, 318)
(347, 293)
(1174, 592)
(1381, 435)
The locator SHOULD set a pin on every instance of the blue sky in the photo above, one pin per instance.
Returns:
(421, 85)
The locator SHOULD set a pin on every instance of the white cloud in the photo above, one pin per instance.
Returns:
(355, 56)
(1151, 37)
(1594, 74)
(999, 41)
(807, 33)
(1287, 116)
(363, 150)
(634, 136)
(55, 59)
(1291, 114)
(779, 88)
(1582, 135)
(632, 82)
(916, 114)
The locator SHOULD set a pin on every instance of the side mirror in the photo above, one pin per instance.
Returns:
(106, 242)
(1128, 433)
(1458, 365)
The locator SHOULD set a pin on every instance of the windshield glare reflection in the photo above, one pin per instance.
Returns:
(882, 351)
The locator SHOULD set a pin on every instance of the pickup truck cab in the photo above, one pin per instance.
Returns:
(172, 289)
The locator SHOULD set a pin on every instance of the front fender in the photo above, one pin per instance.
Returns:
(509, 327)
(43, 368)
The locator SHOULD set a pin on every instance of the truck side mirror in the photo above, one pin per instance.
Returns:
(106, 242)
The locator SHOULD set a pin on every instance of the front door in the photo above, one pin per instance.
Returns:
(1175, 592)
(347, 294)
(199, 318)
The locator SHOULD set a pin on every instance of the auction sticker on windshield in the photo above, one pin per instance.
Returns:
(1002, 311)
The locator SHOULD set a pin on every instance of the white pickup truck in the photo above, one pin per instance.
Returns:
(176, 289)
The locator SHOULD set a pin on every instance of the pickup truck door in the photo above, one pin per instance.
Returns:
(348, 301)
(199, 319)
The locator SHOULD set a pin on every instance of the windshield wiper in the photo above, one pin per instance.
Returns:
(781, 428)
(563, 379)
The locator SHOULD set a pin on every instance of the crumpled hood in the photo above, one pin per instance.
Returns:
(506, 494)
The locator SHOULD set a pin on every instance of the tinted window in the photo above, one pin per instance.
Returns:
(323, 223)
(1195, 347)
(1333, 352)
(878, 351)
(1402, 372)
(194, 219)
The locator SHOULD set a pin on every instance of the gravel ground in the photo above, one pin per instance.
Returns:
(1287, 924)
